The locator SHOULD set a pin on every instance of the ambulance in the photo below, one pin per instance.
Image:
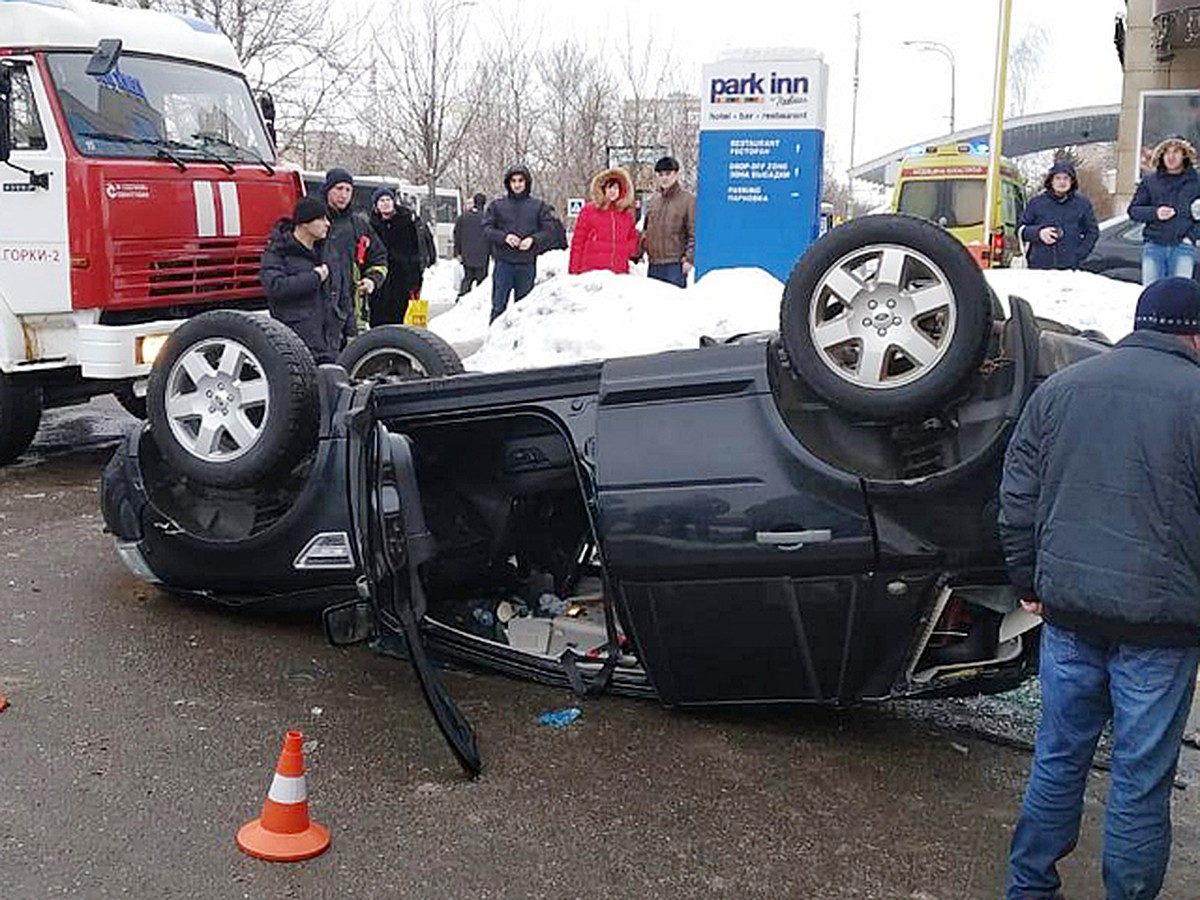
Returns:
(138, 186)
(947, 183)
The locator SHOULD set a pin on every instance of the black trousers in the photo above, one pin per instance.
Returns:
(472, 275)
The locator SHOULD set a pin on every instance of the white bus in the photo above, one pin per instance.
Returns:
(415, 196)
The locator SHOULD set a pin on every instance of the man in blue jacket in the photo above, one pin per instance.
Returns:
(294, 279)
(1163, 201)
(1058, 224)
(517, 227)
(1100, 520)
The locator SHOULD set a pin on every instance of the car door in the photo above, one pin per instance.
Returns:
(395, 542)
(741, 562)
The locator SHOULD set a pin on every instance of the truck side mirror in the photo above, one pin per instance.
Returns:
(104, 58)
(266, 103)
(5, 112)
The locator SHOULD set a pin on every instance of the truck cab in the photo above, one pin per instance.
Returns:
(138, 186)
(947, 183)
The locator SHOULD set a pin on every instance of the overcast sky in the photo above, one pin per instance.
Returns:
(904, 94)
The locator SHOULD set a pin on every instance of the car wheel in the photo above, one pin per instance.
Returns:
(20, 415)
(232, 399)
(399, 353)
(886, 316)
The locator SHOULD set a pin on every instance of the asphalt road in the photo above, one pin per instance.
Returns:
(143, 729)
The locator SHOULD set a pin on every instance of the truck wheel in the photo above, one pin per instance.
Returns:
(886, 316)
(399, 353)
(20, 415)
(232, 399)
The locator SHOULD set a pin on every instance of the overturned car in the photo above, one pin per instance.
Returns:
(802, 516)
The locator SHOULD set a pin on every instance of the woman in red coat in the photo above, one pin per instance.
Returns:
(605, 234)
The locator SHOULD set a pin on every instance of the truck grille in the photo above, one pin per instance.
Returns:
(219, 269)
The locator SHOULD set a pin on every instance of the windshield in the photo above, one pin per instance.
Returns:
(144, 105)
(953, 203)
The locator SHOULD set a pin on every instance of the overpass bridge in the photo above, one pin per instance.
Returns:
(1027, 134)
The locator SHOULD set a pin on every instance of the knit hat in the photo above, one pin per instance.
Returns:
(308, 209)
(382, 191)
(335, 176)
(1171, 305)
(667, 164)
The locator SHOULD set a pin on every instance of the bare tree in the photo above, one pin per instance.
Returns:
(1024, 68)
(420, 107)
(645, 69)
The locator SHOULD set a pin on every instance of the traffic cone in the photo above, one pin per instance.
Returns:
(283, 832)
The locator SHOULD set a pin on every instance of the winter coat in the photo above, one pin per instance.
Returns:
(558, 233)
(520, 214)
(605, 234)
(427, 244)
(350, 230)
(400, 238)
(1100, 500)
(669, 235)
(296, 296)
(1071, 214)
(469, 242)
(1164, 189)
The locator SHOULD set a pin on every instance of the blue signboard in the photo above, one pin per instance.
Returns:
(762, 147)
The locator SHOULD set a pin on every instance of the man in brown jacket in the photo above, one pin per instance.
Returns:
(669, 235)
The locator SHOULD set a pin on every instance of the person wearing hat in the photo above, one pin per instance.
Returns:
(470, 246)
(293, 278)
(355, 255)
(1164, 200)
(396, 226)
(1100, 523)
(669, 234)
(1058, 225)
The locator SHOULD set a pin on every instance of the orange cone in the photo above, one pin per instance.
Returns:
(283, 832)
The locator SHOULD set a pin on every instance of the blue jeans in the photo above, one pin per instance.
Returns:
(672, 273)
(1146, 691)
(510, 276)
(1166, 260)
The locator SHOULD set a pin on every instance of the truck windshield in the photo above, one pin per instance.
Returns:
(954, 203)
(145, 104)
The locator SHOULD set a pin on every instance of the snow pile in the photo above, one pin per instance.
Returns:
(599, 315)
(1082, 299)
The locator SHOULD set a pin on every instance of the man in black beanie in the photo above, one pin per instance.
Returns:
(356, 256)
(293, 276)
(1100, 521)
(669, 233)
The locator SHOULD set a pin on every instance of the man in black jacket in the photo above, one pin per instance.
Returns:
(293, 276)
(1164, 201)
(355, 255)
(517, 228)
(470, 246)
(1059, 225)
(1100, 520)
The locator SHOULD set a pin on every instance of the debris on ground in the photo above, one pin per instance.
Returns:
(560, 718)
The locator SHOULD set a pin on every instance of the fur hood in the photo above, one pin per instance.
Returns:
(625, 201)
(1189, 152)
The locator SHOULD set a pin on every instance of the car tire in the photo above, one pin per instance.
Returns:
(20, 415)
(886, 317)
(399, 353)
(232, 399)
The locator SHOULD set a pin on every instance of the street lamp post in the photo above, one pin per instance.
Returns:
(949, 54)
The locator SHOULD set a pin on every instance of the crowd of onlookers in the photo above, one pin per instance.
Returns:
(330, 271)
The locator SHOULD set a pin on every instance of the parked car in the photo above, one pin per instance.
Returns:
(806, 516)
(1118, 250)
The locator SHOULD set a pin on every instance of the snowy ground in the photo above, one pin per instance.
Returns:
(599, 315)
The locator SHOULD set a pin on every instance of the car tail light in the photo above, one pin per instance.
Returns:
(997, 247)
(327, 550)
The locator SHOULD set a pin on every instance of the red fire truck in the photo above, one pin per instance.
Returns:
(138, 184)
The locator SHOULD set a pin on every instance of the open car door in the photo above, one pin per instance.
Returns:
(395, 543)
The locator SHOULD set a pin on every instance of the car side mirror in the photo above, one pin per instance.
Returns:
(266, 103)
(104, 57)
(5, 112)
(349, 623)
